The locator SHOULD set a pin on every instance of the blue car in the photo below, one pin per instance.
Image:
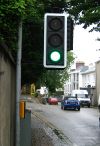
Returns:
(70, 102)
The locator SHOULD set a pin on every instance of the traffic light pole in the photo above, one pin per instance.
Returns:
(18, 83)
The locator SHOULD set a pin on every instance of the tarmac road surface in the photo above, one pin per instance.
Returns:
(79, 127)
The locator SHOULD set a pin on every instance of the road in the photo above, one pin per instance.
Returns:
(81, 127)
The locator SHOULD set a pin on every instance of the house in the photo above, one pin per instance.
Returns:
(74, 81)
(88, 76)
(82, 77)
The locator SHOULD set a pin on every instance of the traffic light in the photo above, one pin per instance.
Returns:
(55, 44)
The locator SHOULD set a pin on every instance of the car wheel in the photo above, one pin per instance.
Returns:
(79, 109)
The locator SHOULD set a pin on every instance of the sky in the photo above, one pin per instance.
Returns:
(85, 45)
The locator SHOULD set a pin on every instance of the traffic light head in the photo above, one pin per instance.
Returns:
(55, 36)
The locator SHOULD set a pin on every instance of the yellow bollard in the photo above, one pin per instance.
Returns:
(22, 109)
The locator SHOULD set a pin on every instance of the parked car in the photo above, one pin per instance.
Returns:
(52, 100)
(59, 97)
(83, 97)
(70, 102)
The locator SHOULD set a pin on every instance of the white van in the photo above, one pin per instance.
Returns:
(82, 96)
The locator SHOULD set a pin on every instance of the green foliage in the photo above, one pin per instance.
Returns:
(86, 12)
(31, 12)
(56, 78)
(11, 12)
(32, 51)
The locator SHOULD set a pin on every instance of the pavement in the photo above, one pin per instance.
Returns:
(43, 135)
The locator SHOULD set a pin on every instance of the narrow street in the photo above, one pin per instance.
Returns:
(80, 127)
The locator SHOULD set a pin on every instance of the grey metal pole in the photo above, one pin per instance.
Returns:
(18, 83)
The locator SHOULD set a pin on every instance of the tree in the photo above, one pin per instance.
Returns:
(54, 79)
(85, 12)
(32, 13)
(11, 12)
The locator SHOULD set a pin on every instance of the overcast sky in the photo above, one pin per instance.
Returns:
(85, 45)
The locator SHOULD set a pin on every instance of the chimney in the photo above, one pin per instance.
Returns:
(79, 64)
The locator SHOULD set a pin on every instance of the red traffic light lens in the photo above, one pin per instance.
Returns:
(55, 24)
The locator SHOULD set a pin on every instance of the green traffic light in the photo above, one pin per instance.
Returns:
(55, 56)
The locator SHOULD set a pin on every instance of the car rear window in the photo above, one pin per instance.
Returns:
(71, 98)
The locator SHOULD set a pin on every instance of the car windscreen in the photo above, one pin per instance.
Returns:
(82, 95)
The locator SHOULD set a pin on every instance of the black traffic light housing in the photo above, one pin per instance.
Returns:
(55, 44)
(69, 33)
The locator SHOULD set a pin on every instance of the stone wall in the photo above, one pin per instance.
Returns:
(7, 98)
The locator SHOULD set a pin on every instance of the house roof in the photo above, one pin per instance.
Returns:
(87, 70)
(84, 69)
